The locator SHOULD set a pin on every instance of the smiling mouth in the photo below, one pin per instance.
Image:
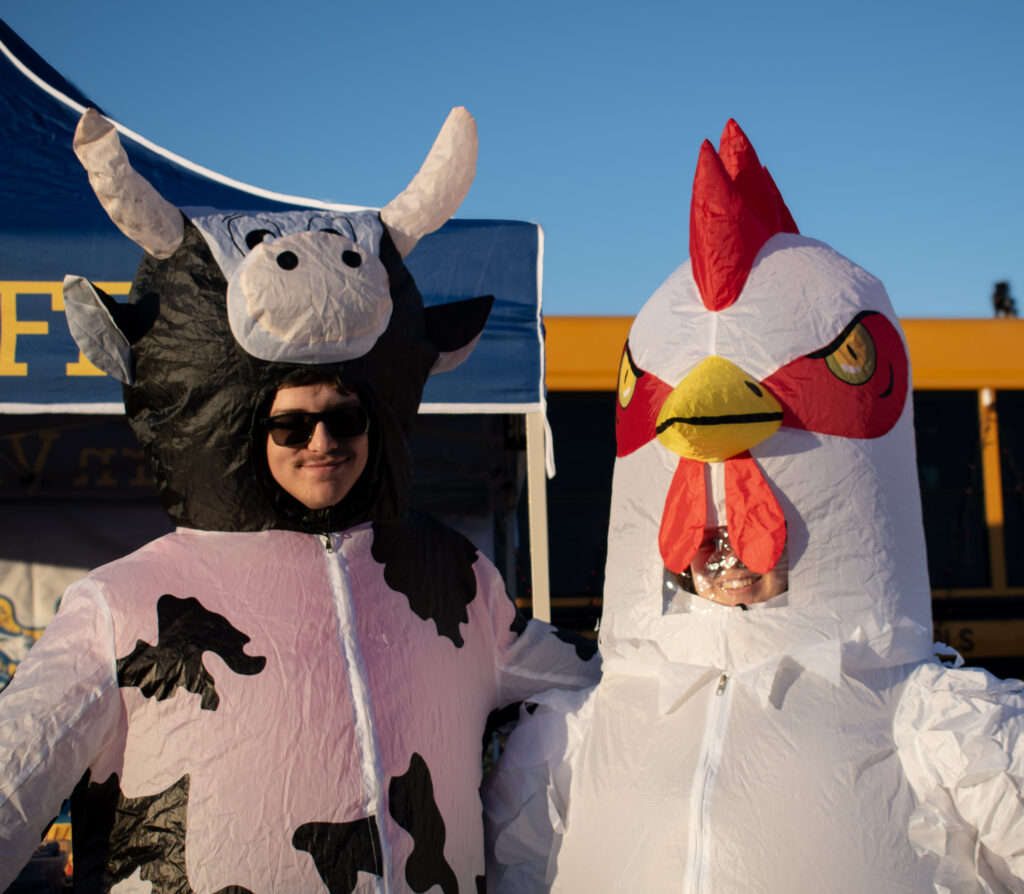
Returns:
(740, 583)
(327, 463)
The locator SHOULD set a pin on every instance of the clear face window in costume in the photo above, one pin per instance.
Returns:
(718, 575)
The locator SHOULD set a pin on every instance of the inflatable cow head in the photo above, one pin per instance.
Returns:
(225, 306)
(765, 387)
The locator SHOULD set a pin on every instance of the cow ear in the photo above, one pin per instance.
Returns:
(94, 329)
(139, 211)
(439, 187)
(455, 328)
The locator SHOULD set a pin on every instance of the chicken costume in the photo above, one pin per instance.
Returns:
(271, 699)
(809, 743)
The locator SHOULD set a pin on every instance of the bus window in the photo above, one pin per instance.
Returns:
(952, 497)
(1010, 407)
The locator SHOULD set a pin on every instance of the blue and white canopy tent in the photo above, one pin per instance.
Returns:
(60, 438)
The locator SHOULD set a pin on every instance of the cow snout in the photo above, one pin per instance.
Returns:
(309, 297)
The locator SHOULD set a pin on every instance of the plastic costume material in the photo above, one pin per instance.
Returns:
(810, 742)
(271, 698)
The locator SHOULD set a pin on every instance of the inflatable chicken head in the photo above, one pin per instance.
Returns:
(226, 305)
(765, 389)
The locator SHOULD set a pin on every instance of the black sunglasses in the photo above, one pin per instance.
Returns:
(296, 429)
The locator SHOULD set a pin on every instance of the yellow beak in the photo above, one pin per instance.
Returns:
(716, 412)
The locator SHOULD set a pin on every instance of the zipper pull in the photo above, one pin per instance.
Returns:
(722, 680)
(327, 543)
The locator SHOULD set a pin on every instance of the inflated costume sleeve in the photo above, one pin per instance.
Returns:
(960, 737)
(552, 673)
(61, 707)
(532, 656)
(526, 798)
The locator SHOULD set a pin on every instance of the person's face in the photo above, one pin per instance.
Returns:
(719, 575)
(321, 473)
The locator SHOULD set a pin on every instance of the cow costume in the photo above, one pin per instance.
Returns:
(810, 742)
(271, 698)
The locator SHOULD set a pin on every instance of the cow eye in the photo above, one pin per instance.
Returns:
(287, 260)
(255, 237)
(352, 258)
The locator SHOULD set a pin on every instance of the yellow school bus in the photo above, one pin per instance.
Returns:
(969, 417)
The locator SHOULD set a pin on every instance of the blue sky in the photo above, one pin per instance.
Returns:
(894, 129)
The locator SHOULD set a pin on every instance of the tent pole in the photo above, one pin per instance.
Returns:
(537, 497)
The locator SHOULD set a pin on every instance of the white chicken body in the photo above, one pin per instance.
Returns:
(715, 795)
(811, 743)
(753, 751)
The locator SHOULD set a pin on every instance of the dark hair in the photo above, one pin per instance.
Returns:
(684, 580)
(301, 377)
(297, 379)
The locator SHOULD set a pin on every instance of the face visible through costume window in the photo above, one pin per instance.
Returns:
(720, 576)
(317, 442)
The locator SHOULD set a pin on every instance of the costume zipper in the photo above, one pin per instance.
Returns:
(703, 788)
(370, 763)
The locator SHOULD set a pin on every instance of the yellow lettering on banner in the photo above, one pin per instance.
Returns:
(11, 327)
(143, 477)
(29, 471)
(83, 366)
(104, 455)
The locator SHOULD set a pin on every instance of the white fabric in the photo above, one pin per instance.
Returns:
(942, 782)
(525, 803)
(139, 211)
(810, 745)
(95, 331)
(721, 793)
(960, 735)
(439, 186)
(346, 308)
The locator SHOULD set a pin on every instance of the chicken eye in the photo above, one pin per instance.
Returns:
(628, 374)
(853, 360)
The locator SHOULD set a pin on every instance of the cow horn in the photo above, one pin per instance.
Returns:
(436, 192)
(139, 211)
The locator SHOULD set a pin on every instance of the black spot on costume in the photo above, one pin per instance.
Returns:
(341, 851)
(411, 802)
(438, 591)
(186, 631)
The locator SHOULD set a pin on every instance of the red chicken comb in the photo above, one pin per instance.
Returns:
(736, 208)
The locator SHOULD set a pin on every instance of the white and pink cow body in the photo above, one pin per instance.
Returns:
(271, 698)
(264, 712)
